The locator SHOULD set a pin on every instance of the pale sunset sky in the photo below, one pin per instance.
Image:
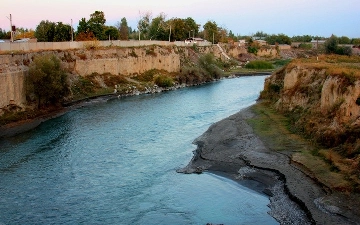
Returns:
(242, 17)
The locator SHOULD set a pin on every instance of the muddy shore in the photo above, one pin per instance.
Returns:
(232, 149)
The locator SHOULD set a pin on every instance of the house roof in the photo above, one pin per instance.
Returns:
(317, 41)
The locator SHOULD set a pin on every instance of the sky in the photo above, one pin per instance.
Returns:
(242, 17)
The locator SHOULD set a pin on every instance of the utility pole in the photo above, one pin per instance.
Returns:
(72, 32)
(139, 24)
(11, 29)
(170, 33)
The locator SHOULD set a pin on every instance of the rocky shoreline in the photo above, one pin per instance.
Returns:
(230, 147)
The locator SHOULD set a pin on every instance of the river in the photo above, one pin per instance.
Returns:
(115, 161)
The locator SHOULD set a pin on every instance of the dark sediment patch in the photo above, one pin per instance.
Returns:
(232, 149)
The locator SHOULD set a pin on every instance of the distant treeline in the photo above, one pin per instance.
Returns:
(150, 28)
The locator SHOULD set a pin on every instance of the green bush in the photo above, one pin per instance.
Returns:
(346, 50)
(227, 64)
(47, 80)
(305, 46)
(258, 64)
(163, 81)
(193, 75)
(252, 49)
(195, 48)
(208, 63)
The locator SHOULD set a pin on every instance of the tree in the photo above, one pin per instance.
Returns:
(62, 32)
(48, 31)
(159, 28)
(355, 41)
(24, 33)
(124, 29)
(178, 29)
(4, 34)
(83, 32)
(207, 62)
(143, 25)
(45, 31)
(211, 32)
(260, 34)
(304, 38)
(47, 80)
(223, 35)
(112, 33)
(232, 36)
(344, 40)
(96, 24)
(191, 26)
(83, 26)
(278, 39)
(331, 44)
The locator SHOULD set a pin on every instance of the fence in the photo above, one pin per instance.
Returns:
(36, 46)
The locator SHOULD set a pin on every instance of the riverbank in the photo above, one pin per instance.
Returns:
(24, 125)
(231, 147)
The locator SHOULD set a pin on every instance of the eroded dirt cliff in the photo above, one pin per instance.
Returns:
(321, 98)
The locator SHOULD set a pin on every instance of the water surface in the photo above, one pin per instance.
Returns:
(114, 162)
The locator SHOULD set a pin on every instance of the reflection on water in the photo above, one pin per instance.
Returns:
(115, 163)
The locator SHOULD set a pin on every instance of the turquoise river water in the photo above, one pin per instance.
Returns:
(114, 162)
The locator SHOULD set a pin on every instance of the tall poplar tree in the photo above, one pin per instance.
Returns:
(124, 29)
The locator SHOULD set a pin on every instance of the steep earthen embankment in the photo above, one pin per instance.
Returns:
(322, 101)
(83, 62)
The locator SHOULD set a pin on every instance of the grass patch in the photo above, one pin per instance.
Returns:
(335, 65)
(324, 165)
(259, 64)
(322, 170)
(273, 128)
(281, 62)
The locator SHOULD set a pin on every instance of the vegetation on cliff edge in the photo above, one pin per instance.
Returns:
(338, 143)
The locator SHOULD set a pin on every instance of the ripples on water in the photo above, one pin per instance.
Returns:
(115, 162)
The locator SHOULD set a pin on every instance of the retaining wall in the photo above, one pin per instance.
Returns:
(38, 46)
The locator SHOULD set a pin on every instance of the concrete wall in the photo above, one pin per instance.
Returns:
(38, 46)
(12, 88)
